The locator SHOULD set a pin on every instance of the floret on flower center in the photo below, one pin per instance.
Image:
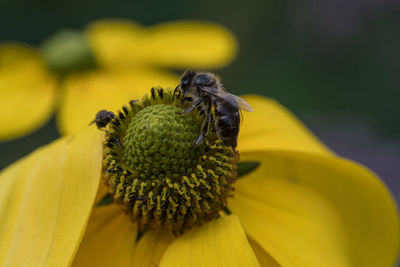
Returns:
(158, 142)
(153, 170)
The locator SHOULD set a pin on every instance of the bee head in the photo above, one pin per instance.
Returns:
(186, 79)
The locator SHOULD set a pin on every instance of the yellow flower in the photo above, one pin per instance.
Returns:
(128, 56)
(302, 206)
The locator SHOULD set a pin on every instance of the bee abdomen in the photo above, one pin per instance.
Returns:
(226, 121)
(227, 129)
(228, 135)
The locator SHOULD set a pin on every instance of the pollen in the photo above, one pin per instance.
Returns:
(155, 173)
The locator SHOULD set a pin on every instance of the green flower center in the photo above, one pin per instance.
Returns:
(153, 170)
(158, 142)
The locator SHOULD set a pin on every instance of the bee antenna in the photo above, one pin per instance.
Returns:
(176, 89)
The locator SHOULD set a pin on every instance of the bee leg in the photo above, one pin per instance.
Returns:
(186, 98)
(205, 129)
(195, 104)
(174, 93)
(179, 93)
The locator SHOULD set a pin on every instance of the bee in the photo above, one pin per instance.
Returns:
(205, 90)
(103, 117)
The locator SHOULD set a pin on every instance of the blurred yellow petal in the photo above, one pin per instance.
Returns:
(272, 127)
(46, 199)
(27, 91)
(190, 44)
(312, 210)
(117, 43)
(219, 243)
(13, 54)
(109, 239)
(182, 44)
(150, 248)
(85, 94)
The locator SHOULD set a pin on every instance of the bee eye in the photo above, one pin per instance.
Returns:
(202, 79)
(185, 81)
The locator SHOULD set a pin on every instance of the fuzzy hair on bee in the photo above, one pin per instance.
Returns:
(204, 90)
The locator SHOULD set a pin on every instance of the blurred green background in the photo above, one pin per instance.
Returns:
(335, 64)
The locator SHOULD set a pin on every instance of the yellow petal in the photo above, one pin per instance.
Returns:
(87, 93)
(183, 44)
(109, 225)
(264, 259)
(117, 43)
(109, 239)
(150, 248)
(13, 54)
(309, 210)
(102, 191)
(219, 243)
(272, 127)
(190, 44)
(45, 201)
(27, 91)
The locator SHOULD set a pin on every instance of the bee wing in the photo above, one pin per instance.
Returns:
(232, 99)
(242, 104)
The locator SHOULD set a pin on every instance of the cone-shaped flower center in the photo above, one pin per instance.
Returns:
(159, 141)
(152, 168)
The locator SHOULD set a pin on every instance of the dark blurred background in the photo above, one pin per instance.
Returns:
(335, 64)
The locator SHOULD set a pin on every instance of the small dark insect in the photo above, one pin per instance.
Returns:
(103, 117)
(205, 90)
